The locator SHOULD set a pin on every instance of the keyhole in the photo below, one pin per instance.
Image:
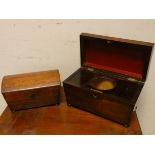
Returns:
(94, 95)
(33, 96)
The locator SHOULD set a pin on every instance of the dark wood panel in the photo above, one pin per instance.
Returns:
(116, 104)
(117, 39)
(99, 104)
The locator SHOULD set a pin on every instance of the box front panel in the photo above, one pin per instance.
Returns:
(98, 104)
(32, 98)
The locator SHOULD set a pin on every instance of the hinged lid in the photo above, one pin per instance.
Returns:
(30, 80)
(122, 56)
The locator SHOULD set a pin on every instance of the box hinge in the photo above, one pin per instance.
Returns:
(90, 69)
(132, 79)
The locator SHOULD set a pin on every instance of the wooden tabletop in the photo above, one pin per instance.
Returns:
(62, 120)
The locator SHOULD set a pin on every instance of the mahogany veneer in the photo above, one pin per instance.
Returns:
(123, 61)
(28, 90)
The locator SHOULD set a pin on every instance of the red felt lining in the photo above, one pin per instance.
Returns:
(120, 59)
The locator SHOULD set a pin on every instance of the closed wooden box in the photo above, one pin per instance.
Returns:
(120, 64)
(23, 91)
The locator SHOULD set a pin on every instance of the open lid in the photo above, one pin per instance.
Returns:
(122, 56)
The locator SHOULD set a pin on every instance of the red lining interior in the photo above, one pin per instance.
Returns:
(113, 57)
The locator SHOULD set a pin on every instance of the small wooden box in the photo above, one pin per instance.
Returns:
(23, 91)
(122, 63)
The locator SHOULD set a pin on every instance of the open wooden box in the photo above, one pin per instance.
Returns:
(113, 72)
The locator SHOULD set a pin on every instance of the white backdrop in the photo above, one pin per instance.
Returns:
(34, 45)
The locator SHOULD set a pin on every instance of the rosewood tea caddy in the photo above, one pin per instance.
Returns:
(29, 90)
(112, 74)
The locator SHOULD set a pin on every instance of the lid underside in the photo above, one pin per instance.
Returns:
(115, 56)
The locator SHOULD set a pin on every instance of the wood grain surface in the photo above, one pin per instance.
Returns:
(28, 90)
(32, 80)
(62, 120)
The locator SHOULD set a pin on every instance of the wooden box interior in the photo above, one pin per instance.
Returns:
(125, 91)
